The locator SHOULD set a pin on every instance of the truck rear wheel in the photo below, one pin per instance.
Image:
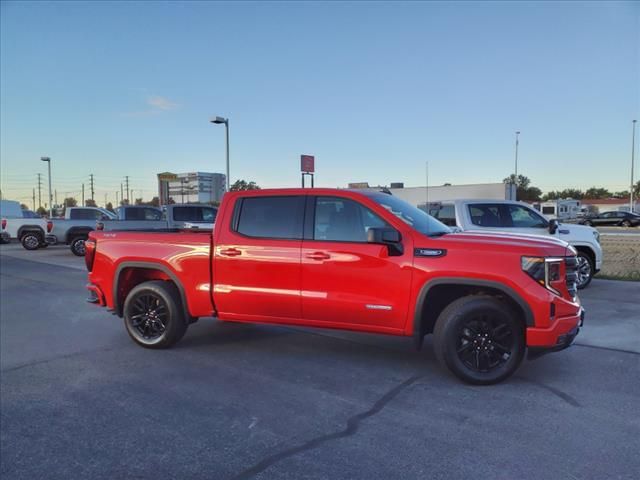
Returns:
(153, 315)
(31, 240)
(479, 339)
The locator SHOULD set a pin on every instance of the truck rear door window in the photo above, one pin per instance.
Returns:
(487, 215)
(271, 217)
(195, 214)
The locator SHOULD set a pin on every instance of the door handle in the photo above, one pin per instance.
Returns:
(318, 256)
(230, 252)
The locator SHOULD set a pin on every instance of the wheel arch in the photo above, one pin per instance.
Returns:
(130, 274)
(30, 228)
(75, 232)
(436, 294)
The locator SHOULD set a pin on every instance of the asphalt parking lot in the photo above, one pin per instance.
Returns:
(79, 400)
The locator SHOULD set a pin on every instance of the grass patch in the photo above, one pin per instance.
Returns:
(627, 277)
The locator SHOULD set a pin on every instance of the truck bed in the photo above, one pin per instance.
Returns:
(182, 255)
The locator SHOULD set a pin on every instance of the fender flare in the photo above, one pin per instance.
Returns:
(74, 232)
(118, 305)
(418, 333)
(30, 228)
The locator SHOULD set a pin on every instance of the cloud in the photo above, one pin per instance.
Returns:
(161, 103)
(157, 105)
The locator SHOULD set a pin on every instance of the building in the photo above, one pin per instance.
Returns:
(602, 205)
(419, 196)
(192, 187)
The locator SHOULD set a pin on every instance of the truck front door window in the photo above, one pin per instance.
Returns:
(522, 217)
(343, 220)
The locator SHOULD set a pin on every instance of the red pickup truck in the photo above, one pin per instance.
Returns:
(344, 259)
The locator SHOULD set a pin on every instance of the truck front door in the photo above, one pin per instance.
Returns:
(345, 280)
(256, 267)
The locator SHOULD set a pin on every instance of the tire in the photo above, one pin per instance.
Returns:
(467, 334)
(31, 240)
(151, 306)
(625, 223)
(586, 270)
(77, 246)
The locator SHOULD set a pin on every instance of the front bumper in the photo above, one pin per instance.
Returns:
(95, 295)
(50, 239)
(558, 336)
(5, 237)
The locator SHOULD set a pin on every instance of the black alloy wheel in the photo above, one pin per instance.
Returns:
(480, 339)
(485, 343)
(153, 314)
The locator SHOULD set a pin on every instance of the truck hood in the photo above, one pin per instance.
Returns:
(571, 232)
(525, 244)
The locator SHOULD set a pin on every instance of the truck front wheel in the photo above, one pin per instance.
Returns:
(153, 314)
(77, 246)
(479, 339)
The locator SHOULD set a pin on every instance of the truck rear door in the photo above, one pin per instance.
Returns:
(257, 259)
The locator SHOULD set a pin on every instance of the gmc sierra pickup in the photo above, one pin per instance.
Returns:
(352, 260)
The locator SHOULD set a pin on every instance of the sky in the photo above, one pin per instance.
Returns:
(374, 90)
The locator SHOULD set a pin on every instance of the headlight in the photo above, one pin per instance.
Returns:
(596, 235)
(546, 271)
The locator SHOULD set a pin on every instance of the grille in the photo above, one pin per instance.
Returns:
(571, 276)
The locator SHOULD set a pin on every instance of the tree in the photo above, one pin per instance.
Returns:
(155, 202)
(594, 192)
(90, 203)
(24, 207)
(622, 194)
(524, 189)
(124, 202)
(244, 185)
(573, 193)
(636, 189)
(42, 211)
(70, 202)
(139, 202)
(110, 206)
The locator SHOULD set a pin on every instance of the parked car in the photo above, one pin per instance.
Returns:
(177, 216)
(618, 218)
(516, 217)
(30, 232)
(351, 260)
(74, 228)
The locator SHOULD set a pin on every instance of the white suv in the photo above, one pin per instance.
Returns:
(518, 217)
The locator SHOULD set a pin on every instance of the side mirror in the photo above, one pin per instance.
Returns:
(386, 236)
(553, 226)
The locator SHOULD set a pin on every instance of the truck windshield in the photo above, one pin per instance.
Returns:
(412, 216)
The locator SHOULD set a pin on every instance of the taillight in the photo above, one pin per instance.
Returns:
(49, 226)
(89, 252)
(4, 223)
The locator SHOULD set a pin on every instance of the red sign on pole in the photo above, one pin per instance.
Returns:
(307, 163)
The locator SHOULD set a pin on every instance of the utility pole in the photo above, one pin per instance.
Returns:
(633, 151)
(92, 191)
(126, 179)
(82, 195)
(105, 200)
(39, 190)
(34, 200)
(56, 196)
(515, 180)
(117, 203)
(121, 193)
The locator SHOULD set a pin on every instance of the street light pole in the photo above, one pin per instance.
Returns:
(48, 160)
(515, 178)
(219, 120)
(633, 148)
